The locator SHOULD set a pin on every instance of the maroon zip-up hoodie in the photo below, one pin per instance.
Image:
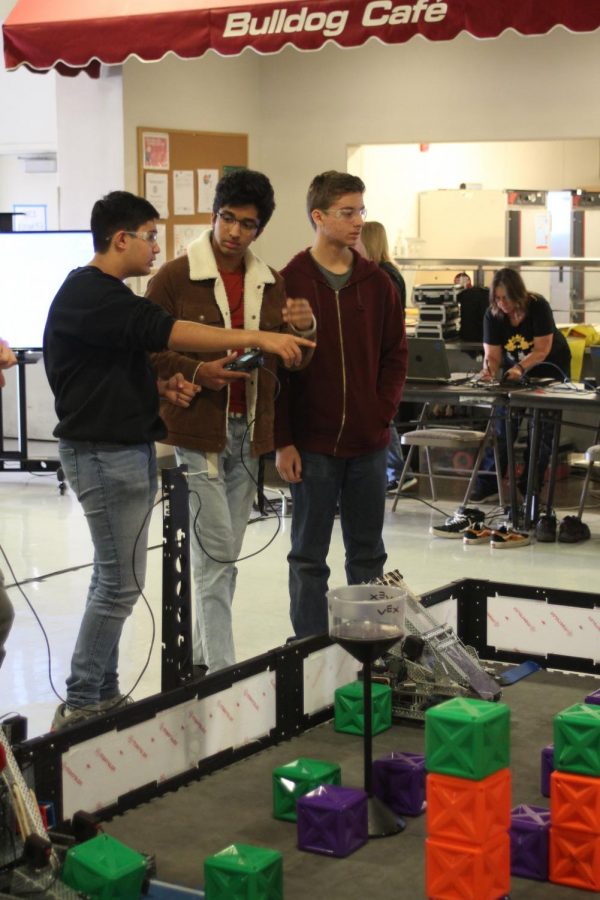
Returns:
(342, 403)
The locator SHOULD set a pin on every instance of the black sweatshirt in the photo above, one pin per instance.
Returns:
(96, 343)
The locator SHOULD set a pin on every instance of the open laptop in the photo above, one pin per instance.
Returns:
(428, 362)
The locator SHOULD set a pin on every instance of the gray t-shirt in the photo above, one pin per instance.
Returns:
(336, 282)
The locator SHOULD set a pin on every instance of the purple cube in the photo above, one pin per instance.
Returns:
(547, 769)
(333, 820)
(529, 839)
(399, 781)
(593, 697)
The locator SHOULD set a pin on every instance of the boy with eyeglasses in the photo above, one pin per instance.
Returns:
(97, 341)
(221, 436)
(332, 426)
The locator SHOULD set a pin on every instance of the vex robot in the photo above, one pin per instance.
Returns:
(431, 664)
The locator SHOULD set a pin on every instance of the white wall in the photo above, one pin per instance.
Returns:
(314, 106)
(397, 173)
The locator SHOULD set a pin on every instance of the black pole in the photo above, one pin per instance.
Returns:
(368, 728)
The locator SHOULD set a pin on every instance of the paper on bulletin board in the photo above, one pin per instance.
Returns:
(183, 192)
(155, 150)
(183, 235)
(157, 192)
(207, 183)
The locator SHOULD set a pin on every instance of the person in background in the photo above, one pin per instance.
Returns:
(7, 613)
(520, 339)
(332, 418)
(96, 343)
(375, 245)
(223, 433)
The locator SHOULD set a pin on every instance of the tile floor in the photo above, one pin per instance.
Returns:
(45, 539)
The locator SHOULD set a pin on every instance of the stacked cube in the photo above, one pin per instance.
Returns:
(467, 753)
(575, 798)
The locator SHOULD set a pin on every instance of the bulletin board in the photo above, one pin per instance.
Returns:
(178, 172)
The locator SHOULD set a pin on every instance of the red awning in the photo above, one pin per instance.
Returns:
(70, 35)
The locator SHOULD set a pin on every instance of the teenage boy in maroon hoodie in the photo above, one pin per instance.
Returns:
(332, 425)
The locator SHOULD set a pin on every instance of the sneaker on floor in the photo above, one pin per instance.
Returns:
(506, 538)
(480, 534)
(545, 530)
(465, 517)
(70, 715)
(392, 486)
(572, 530)
(484, 492)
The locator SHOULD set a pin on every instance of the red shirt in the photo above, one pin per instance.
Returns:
(234, 288)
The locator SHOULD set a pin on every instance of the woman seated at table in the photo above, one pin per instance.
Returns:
(520, 339)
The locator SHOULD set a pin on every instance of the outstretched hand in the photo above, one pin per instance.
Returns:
(287, 346)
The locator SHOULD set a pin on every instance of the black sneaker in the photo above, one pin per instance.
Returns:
(545, 530)
(572, 530)
(483, 492)
(464, 518)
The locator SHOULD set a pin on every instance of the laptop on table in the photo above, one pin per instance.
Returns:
(428, 363)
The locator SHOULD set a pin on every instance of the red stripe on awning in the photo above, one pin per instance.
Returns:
(70, 35)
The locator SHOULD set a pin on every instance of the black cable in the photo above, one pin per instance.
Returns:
(18, 584)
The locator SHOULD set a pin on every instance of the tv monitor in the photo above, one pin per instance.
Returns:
(33, 265)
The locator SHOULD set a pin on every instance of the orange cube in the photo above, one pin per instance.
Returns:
(467, 871)
(575, 858)
(459, 809)
(575, 802)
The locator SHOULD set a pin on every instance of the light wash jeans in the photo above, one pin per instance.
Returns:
(221, 496)
(116, 486)
(7, 615)
(359, 485)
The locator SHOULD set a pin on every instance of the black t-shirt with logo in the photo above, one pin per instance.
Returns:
(517, 340)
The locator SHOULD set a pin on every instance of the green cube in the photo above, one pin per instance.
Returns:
(577, 739)
(467, 738)
(349, 708)
(244, 872)
(296, 778)
(105, 869)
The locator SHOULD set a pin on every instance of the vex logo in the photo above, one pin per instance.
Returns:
(387, 610)
(377, 13)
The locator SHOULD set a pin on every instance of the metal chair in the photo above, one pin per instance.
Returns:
(592, 455)
(427, 436)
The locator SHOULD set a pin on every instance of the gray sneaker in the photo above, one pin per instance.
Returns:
(70, 715)
(116, 702)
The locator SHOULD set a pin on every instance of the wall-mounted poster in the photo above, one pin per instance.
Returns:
(207, 182)
(183, 192)
(155, 150)
(183, 235)
(157, 192)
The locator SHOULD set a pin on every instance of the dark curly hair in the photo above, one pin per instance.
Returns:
(243, 187)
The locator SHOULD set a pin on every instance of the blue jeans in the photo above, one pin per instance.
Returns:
(116, 486)
(359, 485)
(222, 490)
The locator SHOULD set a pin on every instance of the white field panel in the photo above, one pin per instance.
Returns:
(324, 671)
(533, 626)
(98, 771)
